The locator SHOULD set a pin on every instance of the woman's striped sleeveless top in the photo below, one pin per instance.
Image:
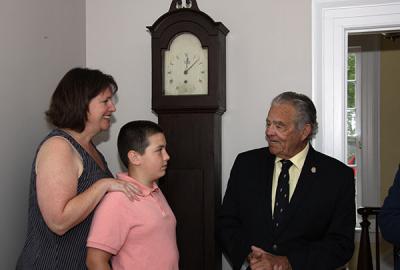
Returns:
(44, 249)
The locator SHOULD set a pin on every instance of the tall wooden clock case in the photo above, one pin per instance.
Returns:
(188, 95)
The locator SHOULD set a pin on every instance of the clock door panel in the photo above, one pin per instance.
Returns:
(183, 189)
(192, 184)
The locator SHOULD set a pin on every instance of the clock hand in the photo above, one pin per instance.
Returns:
(186, 70)
(187, 62)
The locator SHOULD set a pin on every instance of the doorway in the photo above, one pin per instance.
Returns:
(333, 23)
(373, 150)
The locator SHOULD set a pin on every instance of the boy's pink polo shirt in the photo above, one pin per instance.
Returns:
(140, 234)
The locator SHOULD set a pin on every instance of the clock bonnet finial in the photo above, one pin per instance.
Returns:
(187, 4)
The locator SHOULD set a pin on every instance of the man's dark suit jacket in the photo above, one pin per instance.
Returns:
(318, 230)
(389, 218)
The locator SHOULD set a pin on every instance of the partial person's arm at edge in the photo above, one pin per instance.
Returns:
(389, 216)
(98, 259)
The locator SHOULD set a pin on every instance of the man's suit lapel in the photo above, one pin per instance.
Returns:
(306, 180)
(266, 178)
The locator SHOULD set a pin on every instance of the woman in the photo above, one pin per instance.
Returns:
(69, 175)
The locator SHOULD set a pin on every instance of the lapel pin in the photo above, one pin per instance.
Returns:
(313, 170)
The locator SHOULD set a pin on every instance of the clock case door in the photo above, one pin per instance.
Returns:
(212, 36)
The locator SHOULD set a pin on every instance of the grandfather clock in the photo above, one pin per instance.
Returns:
(188, 95)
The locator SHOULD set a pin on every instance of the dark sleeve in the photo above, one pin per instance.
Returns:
(336, 247)
(389, 217)
(229, 226)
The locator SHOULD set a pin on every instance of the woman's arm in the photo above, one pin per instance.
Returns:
(97, 259)
(58, 167)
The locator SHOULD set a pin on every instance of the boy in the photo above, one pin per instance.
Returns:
(141, 234)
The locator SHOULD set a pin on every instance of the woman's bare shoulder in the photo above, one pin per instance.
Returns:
(58, 150)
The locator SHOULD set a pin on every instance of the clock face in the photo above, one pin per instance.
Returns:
(185, 67)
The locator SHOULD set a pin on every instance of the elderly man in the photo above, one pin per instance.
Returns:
(288, 206)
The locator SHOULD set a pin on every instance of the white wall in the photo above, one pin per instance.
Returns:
(268, 51)
(39, 41)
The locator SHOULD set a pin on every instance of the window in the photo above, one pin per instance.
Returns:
(353, 120)
(362, 117)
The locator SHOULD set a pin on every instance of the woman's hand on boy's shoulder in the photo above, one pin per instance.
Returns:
(129, 189)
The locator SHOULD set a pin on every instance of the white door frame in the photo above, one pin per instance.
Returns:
(332, 21)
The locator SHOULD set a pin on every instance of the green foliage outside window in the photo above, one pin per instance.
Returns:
(351, 67)
(351, 76)
(351, 97)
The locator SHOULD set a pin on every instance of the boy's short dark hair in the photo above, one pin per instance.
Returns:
(134, 136)
(70, 101)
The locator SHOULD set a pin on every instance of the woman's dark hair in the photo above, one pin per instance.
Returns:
(70, 101)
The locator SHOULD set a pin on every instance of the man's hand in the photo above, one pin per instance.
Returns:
(262, 260)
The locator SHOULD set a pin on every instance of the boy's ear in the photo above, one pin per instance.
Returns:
(134, 157)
